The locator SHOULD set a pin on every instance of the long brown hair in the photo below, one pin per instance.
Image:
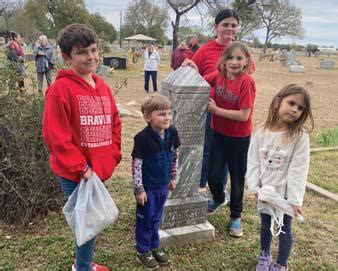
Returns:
(295, 128)
(227, 53)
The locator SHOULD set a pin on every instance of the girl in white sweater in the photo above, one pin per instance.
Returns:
(279, 155)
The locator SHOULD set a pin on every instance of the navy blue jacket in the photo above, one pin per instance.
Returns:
(157, 155)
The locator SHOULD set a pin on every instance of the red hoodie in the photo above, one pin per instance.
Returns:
(81, 126)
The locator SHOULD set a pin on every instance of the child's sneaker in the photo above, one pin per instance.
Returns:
(213, 205)
(95, 267)
(235, 228)
(148, 260)
(264, 262)
(278, 267)
(160, 256)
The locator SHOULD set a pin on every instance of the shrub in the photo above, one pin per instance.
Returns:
(27, 186)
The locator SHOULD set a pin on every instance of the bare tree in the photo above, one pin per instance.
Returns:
(280, 19)
(180, 8)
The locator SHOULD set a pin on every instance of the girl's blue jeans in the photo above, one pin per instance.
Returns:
(84, 253)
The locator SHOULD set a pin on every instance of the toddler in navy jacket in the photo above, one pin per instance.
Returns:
(154, 169)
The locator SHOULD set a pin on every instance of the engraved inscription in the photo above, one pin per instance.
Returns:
(184, 217)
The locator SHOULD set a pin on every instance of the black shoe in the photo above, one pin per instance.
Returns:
(148, 260)
(160, 256)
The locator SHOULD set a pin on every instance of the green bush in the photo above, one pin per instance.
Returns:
(27, 186)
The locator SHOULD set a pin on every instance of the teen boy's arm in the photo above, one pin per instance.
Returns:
(56, 131)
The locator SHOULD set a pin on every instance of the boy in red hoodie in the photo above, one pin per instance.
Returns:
(81, 126)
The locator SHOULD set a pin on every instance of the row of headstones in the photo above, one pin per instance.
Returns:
(289, 59)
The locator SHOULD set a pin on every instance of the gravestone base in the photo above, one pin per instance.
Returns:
(180, 236)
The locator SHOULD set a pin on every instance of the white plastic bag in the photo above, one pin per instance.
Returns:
(89, 209)
(276, 206)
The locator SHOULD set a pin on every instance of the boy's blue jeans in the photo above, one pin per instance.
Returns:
(148, 218)
(206, 153)
(84, 253)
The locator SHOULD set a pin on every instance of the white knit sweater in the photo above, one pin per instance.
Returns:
(274, 161)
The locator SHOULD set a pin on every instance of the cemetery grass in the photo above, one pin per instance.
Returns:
(47, 244)
(323, 170)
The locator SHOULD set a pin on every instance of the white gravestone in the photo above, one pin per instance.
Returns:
(184, 218)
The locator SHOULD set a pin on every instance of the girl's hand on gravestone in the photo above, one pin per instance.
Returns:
(212, 107)
(141, 198)
(189, 62)
(172, 185)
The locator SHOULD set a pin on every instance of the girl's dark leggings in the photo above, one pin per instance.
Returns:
(285, 239)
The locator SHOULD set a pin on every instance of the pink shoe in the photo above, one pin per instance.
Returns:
(95, 267)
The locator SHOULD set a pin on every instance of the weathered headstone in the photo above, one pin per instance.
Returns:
(296, 68)
(291, 58)
(103, 70)
(115, 62)
(327, 64)
(283, 56)
(184, 218)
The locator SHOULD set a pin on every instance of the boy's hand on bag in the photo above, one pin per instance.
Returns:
(297, 210)
(88, 173)
(172, 185)
(141, 198)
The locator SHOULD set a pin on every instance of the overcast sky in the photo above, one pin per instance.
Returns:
(320, 18)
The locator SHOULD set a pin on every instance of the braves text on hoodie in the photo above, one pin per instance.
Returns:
(81, 126)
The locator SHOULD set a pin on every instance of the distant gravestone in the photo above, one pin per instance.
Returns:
(103, 70)
(283, 57)
(115, 62)
(327, 64)
(184, 218)
(296, 68)
(291, 58)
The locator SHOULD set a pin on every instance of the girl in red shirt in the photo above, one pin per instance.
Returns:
(231, 106)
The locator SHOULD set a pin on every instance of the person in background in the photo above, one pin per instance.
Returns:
(16, 58)
(178, 55)
(193, 46)
(43, 61)
(151, 61)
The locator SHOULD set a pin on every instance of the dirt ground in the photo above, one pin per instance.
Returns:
(270, 77)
